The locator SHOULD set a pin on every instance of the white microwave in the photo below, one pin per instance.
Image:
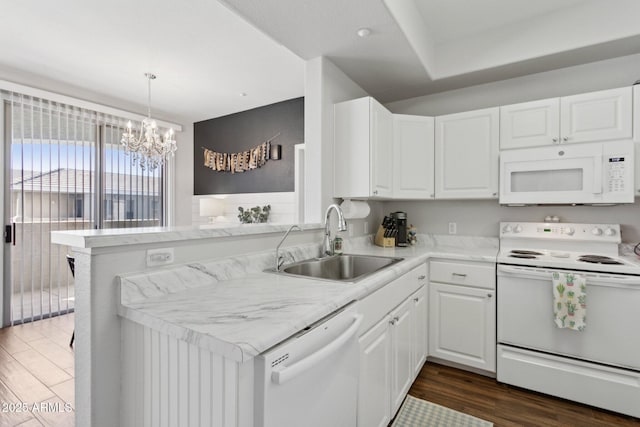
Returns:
(591, 173)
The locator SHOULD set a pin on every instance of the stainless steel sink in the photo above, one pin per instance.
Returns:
(340, 268)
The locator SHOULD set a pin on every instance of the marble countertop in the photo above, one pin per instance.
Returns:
(142, 235)
(241, 317)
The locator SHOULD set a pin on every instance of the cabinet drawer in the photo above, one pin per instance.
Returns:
(378, 304)
(476, 274)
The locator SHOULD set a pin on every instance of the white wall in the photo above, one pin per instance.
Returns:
(612, 73)
(482, 217)
(282, 207)
(183, 183)
(325, 85)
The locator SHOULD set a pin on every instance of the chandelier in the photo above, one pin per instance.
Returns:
(148, 147)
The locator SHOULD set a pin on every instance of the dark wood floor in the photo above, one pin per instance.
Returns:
(506, 405)
(36, 367)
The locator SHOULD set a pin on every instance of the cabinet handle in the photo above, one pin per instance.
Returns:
(554, 140)
(432, 195)
(422, 276)
(459, 274)
(397, 319)
(494, 194)
(416, 299)
(392, 322)
(489, 295)
(565, 139)
(375, 191)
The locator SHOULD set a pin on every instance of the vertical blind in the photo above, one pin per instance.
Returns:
(66, 170)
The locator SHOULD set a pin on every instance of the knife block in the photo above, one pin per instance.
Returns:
(385, 242)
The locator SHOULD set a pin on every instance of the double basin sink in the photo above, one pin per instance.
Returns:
(339, 268)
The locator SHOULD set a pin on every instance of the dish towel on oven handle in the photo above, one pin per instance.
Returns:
(569, 300)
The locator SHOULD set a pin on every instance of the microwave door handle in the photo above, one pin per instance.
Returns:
(597, 175)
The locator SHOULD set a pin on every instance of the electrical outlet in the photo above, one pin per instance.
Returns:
(453, 228)
(161, 256)
(366, 227)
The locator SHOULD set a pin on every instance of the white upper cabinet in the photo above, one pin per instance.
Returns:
(596, 116)
(530, 124)
(363, 149)
(413, 156)
(466, 155)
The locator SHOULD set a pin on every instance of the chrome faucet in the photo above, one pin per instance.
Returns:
(342, 226)
(279, 259)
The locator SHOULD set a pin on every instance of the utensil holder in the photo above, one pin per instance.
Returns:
(385, 242)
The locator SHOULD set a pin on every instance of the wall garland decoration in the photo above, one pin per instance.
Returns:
(240, 162)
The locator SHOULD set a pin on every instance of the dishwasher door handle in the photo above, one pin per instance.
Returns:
(281, 376)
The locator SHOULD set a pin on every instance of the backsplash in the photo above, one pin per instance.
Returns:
(482, 217)
(283, 207)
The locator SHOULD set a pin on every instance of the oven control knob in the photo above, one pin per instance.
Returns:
(569, 231)
(507, 229)
(517, 228)
(610, 232)
(596, 231)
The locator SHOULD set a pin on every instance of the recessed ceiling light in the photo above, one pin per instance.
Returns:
(243, 94)
(363, 32)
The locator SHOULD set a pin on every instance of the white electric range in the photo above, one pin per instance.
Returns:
(599, 365)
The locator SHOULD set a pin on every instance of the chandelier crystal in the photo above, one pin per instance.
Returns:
(148, 147)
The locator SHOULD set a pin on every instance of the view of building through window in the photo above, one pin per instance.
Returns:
(68, 171)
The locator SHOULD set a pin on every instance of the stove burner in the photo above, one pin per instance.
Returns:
(523, 252)
(525, 256)
(598, 259)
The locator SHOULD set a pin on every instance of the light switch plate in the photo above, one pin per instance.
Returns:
(162, 256)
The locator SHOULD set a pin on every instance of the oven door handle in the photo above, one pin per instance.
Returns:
(604, 279)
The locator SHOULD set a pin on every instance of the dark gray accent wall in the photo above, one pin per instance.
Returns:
(242, 131)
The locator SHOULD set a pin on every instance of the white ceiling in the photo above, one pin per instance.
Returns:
(419, 47)
(454, 19)
(205, 53)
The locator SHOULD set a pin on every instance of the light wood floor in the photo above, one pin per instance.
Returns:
(36, 367)
(506, 405)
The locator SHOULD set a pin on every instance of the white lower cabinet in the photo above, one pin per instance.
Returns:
(374, 391)
(462, 316)
(420, 330)
(401, 352)
(392, 350)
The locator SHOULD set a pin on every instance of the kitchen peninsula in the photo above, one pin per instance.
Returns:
(103, 255)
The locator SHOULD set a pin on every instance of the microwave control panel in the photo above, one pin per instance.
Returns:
(616, 174)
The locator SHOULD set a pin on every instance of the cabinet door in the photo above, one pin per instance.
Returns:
(352, 140)
(462, 325)
(530, 124)
(419, 330)
(467, 155)
(413, 157)
(374, 389)
(596, 116)
(381, 150)
(401, 352)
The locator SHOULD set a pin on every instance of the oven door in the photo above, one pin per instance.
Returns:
(525, 316)
(576, 173)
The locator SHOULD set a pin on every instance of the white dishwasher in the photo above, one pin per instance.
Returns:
(311, 379)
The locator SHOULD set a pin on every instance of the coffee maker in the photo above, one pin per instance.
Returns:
(400, 219)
